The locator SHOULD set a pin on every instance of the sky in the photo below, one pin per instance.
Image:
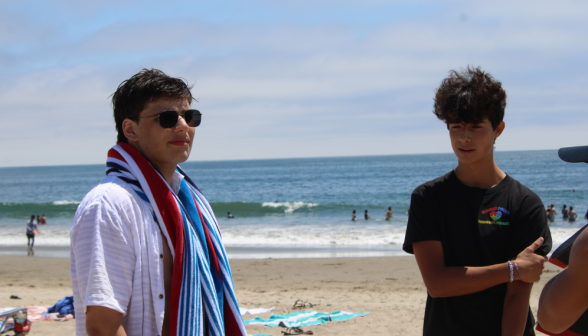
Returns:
(281, 79)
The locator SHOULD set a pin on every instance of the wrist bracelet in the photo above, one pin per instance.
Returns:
(517, 268)
(511, 271)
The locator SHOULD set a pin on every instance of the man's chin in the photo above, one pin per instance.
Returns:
(183, 157)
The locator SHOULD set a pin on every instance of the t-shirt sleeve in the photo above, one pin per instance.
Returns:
(103, 257)
(421, 225)
(529, 225)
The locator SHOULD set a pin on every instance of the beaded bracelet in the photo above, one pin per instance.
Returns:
(517, 267)
(511, 271)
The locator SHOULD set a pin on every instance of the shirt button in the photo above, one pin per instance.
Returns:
(161, 296)
(161, 256)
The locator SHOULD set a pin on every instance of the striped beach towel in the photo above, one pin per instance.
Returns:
(300, 319)
(202, 287)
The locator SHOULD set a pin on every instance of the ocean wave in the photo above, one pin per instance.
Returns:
(289, 207)
(65, 202)
(253, 209)
(380, 234)
(56, 209)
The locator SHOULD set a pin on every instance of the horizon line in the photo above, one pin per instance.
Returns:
(285, 158)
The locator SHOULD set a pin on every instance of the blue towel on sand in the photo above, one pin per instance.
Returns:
(63, 307)
(307, 318)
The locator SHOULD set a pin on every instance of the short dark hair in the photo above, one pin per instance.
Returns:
(146, 86)
(469, 96)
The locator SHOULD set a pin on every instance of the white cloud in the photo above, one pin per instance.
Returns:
(280, 89)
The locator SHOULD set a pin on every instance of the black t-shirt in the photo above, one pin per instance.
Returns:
(477, 227)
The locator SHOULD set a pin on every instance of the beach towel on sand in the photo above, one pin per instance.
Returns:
(307, 318)
(39, 313)
(202, 285)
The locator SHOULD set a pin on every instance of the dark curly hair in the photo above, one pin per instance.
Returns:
(146, 86)
(469, 96)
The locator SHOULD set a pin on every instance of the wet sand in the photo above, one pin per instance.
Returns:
(389, 288)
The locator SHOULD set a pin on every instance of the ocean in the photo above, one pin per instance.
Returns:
(288, 208)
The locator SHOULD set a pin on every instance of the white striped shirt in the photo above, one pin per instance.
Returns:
(116, 257)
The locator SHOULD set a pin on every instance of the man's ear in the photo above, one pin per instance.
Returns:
(128, 127)
(499, 129)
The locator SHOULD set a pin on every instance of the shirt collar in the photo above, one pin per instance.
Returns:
(176, 181)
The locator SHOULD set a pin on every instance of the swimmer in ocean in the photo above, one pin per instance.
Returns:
(389, 214)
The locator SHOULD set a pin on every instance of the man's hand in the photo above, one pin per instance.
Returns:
(102, 321)
(530, 264)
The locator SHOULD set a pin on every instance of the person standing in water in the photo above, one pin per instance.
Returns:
(573, 214)
(32, 228)
(353, 217)
(565, 212)
(550, 213)
(389, 214)
(365, 215)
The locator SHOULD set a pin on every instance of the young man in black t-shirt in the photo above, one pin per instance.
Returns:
(478, 235)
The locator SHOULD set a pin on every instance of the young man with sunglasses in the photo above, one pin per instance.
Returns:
(478, 235)
(146, 254)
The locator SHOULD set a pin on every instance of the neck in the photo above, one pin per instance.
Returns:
(168, 175)
(483, 175)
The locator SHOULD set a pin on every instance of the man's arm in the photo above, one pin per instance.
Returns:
(443, 281)
(102, 321)
(516, 308)
(565, 297)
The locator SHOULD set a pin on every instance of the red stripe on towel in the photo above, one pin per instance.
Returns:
(172, 219)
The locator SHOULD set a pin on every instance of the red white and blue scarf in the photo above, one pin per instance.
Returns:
(202, 284)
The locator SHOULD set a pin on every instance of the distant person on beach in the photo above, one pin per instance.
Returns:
(229, 215)
(43, 220)
(565, 212)
(565, 297)
(365, 215)
(353, 217)
(146, 253)
(389, 214)
(31, 230)
(479, 236)
(573, 214)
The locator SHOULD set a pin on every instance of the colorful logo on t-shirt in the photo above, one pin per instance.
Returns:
(496, 213)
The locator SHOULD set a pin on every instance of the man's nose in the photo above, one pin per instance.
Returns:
(181, 124)
(464, 135)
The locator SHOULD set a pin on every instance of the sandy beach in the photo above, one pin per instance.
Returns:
(389, 288)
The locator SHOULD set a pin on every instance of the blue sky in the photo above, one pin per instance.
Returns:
(288, 78)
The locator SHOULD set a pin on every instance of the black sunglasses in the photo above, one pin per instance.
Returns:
(169, 119)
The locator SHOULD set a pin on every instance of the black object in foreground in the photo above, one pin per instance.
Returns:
(561, 258)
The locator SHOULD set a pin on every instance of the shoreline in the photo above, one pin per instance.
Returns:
(389, 288)
(246, 252)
